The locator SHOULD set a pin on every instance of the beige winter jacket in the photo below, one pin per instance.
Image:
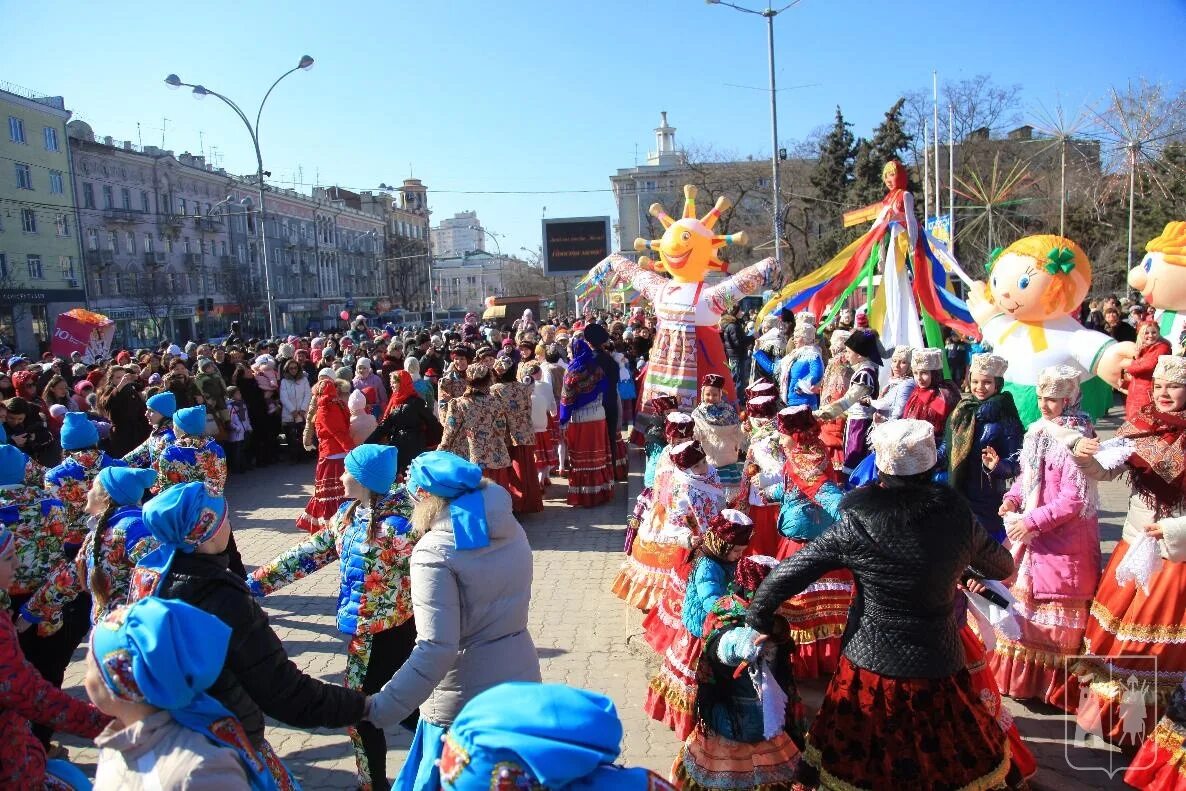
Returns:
(157, 754)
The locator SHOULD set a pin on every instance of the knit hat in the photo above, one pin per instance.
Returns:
(729, 528)
(374, 466)
(326, 373)
(164, 402)
(712, 380)
(687, 454)
(987, 364)
(191, 420)
(904, 447)
(763, 406)
(78, 431)
(1171, 369)
(678, 426)
(926, 360)
(357, 403)
(1058, 381)
(12, 465)
(125, 485)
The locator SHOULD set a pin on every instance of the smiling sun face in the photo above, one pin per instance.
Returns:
(688, 248)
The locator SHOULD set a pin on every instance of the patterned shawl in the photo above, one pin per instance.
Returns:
(961, 432)
(1158, 459)
(807, 464)
(584, 381)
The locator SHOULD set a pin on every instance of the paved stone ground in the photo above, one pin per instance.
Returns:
(586, 637)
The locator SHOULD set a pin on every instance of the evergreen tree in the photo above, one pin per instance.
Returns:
(890, 140)
(833, 169)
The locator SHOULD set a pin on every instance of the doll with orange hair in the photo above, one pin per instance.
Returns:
(1161, 279)
(1024, 311)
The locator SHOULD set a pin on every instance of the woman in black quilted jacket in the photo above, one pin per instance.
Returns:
(902, 710)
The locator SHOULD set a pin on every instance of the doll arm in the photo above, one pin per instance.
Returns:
(911, 220)
(748, 281)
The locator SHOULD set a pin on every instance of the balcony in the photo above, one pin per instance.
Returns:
(99, 258)
(155, 259)
(193, 259)
(208, 224)
(120, 215)
(172, 220)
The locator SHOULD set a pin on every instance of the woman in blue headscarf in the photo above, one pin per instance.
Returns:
(582, 418)
(471, 587)
(147, 672)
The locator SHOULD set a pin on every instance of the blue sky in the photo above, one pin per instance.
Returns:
(546, 96)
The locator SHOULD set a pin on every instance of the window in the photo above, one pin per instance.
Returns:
(148, 243)
(144, 201)
(92, 239)
(223, 246)
(108, 197)
(67, 264)
(182, 206)
(3, 266)
(165, 203)
(112, 242)
(168, 244)
(16, 129)
(125, 196)
(34, 263)
(40, 322)
(185, 244)
(56, 185)
(242, 255)
(88, 195)
(130, 238)
(51, 139)
(28, 221)
(24, 176)
(62, 225)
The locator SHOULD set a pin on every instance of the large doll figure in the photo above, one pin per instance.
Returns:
(687, 343)
(1161, 279)
(1025, 313)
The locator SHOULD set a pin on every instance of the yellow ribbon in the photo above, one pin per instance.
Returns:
(1037, 334)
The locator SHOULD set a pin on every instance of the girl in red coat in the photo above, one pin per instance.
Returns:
(933, 397)
(331, 421)
(1139, 375)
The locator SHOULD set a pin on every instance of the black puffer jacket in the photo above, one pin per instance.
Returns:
(907, 546)
(258, 673)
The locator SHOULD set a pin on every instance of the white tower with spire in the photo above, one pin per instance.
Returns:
(665, 154)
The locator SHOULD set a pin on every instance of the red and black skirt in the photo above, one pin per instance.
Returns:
(328, 495)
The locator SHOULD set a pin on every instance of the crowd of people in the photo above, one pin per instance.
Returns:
(879, 518)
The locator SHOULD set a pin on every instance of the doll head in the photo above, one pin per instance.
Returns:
(1161, 275)
(688, 248)
(1039, 277)
(894, 175)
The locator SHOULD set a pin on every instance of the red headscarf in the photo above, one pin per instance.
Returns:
(22, 378)
(404, 390)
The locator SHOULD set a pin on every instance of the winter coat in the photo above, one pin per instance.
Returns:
(27, 697)
(800, 517)
(332, 425)
(129, 426)
(543, 403)
(294, 397)
(375, 593)
(375, 381)
(932, 404)
(734, 339)
(411, 428)
(475, 428)
(907, 547)
(258, 677)
(159, 753)
(804, 371)
(1065, 553)
(71, 481)
(471, 619)
(984, 490)
(43, 537)
(1140, 383)
(191, 459)
(213, 390)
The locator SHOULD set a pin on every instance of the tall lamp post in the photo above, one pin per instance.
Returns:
(201, 92)
(498, 247)
(770, 13)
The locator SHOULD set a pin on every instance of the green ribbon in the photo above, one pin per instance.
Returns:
(1061, 259)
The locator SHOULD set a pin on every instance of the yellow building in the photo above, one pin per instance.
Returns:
(40, 261)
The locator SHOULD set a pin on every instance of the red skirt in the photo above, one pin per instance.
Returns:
(873, 731)
(328, 495)
(663, 623)
(621, 462)
(590, 477)
(557, 439)
(710, 762)
(1160, 764)
(672, 692)
(546, 458)
(990, 695)
(765, 538)
(525, 494)
(503, 476)
(817, 617)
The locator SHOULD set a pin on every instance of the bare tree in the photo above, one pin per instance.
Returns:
(157, 291)
(245, 291)
(976, 103)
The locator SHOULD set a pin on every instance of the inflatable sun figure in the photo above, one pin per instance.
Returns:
(688, 247)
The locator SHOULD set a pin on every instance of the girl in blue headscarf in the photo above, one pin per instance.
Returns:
(193, 456)
(582, 418)
(471, 587)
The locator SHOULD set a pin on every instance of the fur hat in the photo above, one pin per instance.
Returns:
(926, 360)
(805, 331)
(1171, 369)
(687, 454)
(678, 427)
(838, 340)
(865, 343)
(987, 364)
(712, 380)
(904, 447)
(1059, 381)
(901, 353)
(763, 406)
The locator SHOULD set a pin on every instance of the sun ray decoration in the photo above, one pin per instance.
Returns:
(1058, 129)
(689, 235)
(991, 195)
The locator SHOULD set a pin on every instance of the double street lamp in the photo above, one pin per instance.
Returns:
(769, 13)
(201, 92)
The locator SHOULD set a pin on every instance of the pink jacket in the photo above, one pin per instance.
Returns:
(1065, 555)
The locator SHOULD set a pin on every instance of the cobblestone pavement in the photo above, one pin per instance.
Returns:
(585, 636)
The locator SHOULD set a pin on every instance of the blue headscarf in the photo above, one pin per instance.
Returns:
(456, 480)
(167, 653)
(548, 735)
(6, 538)
(180, 518)
(584, 381)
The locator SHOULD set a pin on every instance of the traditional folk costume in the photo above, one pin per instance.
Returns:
(861, 385)
(1160, 764)
(331, 421)
(111, 549)
(907, 542)
(810, 503)
(835, 383)
(1057, 561)
(475, 427)
(675, 427)
(656, 435)
(892, 399)
(1142, 618)
(672, 691)
(769, 348)
(801, 371)
(719, 429)
(70, 481)
(763, 468)
(148, 453)
(973, 426)
(373, 546)
(193, 456)
(687, 341)
(747, 730)
(543, 411)
(934, 402)
(582, 416)
(526, 497)
(683, 504)
(453, 383)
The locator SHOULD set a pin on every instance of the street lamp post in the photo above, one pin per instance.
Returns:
(201, 92)
(769, 13)
(497, 247)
